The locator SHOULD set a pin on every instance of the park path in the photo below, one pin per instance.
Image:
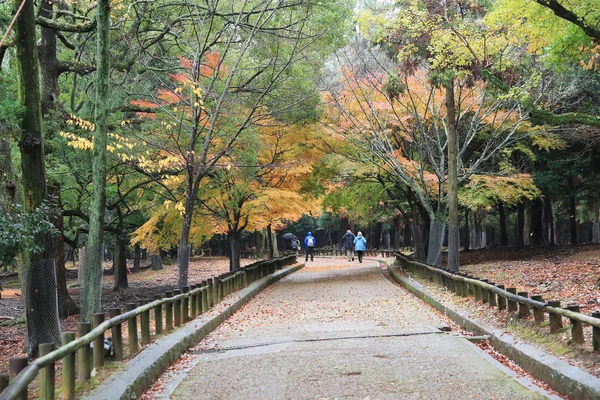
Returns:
(336, 330)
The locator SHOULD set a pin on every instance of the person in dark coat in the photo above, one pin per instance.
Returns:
(348, 240)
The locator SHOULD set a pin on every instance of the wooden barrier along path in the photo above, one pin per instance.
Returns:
(202, 297)
(496, 295)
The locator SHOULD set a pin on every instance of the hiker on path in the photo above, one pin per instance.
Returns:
(310, 243)
(348, 240)
(295, 244)
(360, 245)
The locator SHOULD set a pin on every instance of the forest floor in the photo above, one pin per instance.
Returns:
(143, 286)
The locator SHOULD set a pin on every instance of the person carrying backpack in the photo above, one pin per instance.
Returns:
(309, 244)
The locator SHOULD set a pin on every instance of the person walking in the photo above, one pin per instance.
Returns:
(348, 240)
(360, 245)
(309, 244)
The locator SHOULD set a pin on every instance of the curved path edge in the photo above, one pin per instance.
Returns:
(561, 376)
(139, 373)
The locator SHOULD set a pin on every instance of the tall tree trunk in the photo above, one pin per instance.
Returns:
(270, 245)
(120, 262)
(8, 181)
(503, 231)
(520, 225)
(572, 212)
(398, 225)
(156, 260)
(183, 254)
(66, 304)
(274, 243)
(48, 61)
(476, 230)
(136, 257)
(550, 220)
(436, 237)
(234, 258)
(453, 222)
(377, 236)
(38, 277)
(467, 245)
(537, 229)
(92, 288)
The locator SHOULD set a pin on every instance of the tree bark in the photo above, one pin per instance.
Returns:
(377, 236)
(467, 245)
(436, 237)
(520, 225)
(121, 262)
(550, 220)
(183, 255)
(234, 258)
(453, 222)
(344, 226)
(572, 212)
(38, 277)
(136, 257)
(270, 246)
(537, 230)
(66, 304)
(156, 259)
(48, 61)
(92, 288)
(503, 231)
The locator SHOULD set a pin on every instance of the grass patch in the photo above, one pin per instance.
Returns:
(534, 334)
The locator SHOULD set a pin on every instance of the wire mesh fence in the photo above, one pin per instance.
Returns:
(38, 285)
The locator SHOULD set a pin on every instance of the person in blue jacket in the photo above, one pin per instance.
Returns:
(360, 245)
(309, 245)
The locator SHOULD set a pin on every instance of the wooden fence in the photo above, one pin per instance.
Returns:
(170, 310)
(496, 295)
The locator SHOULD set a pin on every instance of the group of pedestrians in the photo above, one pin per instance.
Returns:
(351, 244)
(354, 244)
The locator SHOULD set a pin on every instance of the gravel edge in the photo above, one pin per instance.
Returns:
(561, 376)
(142, 371)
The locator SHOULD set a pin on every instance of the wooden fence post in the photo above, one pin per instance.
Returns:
(158, 319)
(68, 369)
(117, 335)
(596, 333)
(132, 330)
(169, 312)
(3, 382)
(185, 305)
(555, 319)
(177, 308)
(523, 308)
(512, 305)
(485, 296)
(492, 296)
(538, 312)
(145, 327)
(16, 365)
(193, 305)
(576, 326)
(47, 374)
(84, 369)
(98, 350)
(501, 299)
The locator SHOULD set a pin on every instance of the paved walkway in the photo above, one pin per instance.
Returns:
(337, 330)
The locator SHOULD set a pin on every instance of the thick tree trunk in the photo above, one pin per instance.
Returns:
(234, 258)
(183, 254)
(503, 231)
(467, 245)
(38, 275)
(453, 222)
(92, 288)
(270, 245)
(537, 229)
(156, 259)
(436, 237)
(549, 217)
(398, 231)
(520, 225)
(572, 213)
(66, 304)
(376, 242)
(121, 262)
(8, 181)
(274, 244)
(48, 61)
(136, 257)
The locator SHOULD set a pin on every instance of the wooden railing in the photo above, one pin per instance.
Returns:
(496, 295)
(174, 308)
(368, 253)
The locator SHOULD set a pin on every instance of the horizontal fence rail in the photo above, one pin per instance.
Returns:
(176, 308)
(368, 253)
(507, 298)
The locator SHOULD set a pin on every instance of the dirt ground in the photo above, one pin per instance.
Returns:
(142, 286)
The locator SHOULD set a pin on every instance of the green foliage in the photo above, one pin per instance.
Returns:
(18, 230)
